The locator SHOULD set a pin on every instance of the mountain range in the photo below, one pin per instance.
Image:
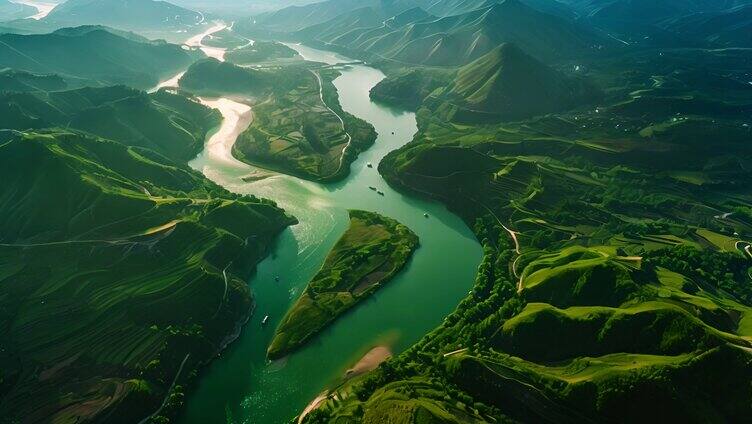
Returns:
(392, 32)
(123, 14)
(96, 55)
(169, 124)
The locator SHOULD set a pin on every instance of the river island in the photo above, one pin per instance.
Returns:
(372, 251)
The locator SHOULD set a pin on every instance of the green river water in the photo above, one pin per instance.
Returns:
(241, 386)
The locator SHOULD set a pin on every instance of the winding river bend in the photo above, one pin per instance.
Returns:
(242, 386)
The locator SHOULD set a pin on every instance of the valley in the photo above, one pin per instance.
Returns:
(418, 211)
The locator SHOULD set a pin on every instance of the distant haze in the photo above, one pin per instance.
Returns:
(247, 7)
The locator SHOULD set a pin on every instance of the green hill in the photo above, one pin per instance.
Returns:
(20, 81)
(645, 11)
(99, 56)
(505, 84)
(613, 287)
(408, 89)
(509, 84)
(126, 273)
(727, 28)
(298, 127)
(415, 38)
(172, 125)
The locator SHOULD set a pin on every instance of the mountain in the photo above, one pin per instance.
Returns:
(135, 15)
(726, 28)
(20, 81)
(508, 84)
(458, 7)
(94, 54)
(128, 274)
(408, 89)
(615, 283)
(296, 18)
(170, 124)
(239, 7)
(647, 11)
(459, 39)
(10, 11)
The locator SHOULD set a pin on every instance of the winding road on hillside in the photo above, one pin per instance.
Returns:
(342, 122)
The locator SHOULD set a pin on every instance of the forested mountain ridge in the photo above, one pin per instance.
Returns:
(96, 55)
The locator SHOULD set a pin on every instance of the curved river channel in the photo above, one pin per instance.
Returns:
(242, 386)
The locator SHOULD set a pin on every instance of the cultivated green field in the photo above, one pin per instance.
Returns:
(124, 272)
(612, 276)
(298, 127)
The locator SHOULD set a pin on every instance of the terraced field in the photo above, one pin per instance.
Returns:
(299, 127)
(612, 275)
(126, 274)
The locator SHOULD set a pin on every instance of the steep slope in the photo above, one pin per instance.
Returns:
(508, 84)
(459, 39)
(20, 81)
(125, 273)
(726, 28)
(170, 124)
(296, 18)
(646, 11)
(124, 14)
(616, 282)
(96, 55)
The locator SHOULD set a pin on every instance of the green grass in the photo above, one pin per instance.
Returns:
(371, 252)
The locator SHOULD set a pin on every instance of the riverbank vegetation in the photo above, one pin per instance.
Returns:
(299, 127)
(370, 253)
(613, 228)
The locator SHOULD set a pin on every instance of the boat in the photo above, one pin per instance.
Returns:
(276, 278)
(425, 215)
(369, 164)
(372, 188)
(265, 320)
(381, 193)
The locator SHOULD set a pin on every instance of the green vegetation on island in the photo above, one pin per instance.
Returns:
(298, 127)
(370, 253)
(260, 53)
(123, 273)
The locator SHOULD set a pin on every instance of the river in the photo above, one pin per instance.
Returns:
(43, 7)
(242, 386)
